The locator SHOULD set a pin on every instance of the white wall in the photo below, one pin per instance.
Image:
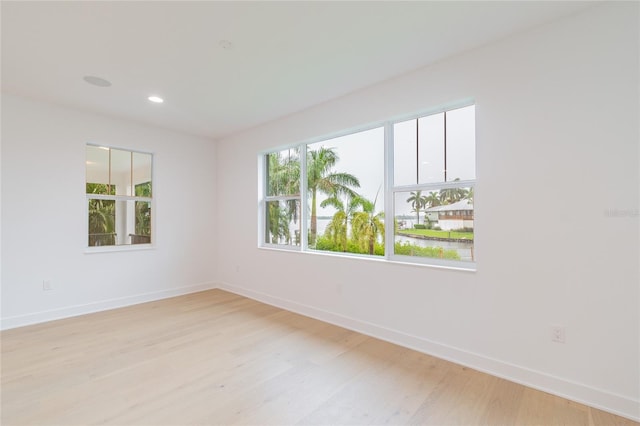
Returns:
(557, 133)
(43, 207)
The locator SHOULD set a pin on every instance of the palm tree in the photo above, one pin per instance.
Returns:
(283, 173)
(283, 179)
(337, 229)
(278, 223)
(321, 178)
(367, 226)
(432, 200)
(143, 210)
(452, 195)
(102, 218)
(470, 195)
(417, 201)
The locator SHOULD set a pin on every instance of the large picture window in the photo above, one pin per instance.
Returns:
(401, 191)
(119, 196)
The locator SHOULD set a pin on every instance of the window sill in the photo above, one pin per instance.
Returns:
(396, 260)
(111, 249)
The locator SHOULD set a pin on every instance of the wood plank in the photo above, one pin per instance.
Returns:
(217, 358)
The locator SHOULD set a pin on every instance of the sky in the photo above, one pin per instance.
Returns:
(362, 154)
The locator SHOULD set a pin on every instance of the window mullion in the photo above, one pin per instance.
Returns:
(445, 145)
(434, 186)
(282, 197)
(117, 197)
(389, 231)
(304, 209)
(262, 199)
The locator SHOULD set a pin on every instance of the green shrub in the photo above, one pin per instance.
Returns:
(378, 249)
(408, 249)
(326, 244)
(419, 226)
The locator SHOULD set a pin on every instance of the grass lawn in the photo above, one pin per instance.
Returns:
(437, 234)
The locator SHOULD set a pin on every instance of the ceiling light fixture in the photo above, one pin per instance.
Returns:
(156, 99)
(226, 44)
(96, 81)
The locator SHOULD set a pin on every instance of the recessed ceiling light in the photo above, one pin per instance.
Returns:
(226, 44)
(156, 99)
(96, 81)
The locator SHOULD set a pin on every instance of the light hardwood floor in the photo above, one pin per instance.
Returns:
(218, 358)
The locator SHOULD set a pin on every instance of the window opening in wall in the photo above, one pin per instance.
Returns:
(282, 201)
(424, 166)
(345, 193)
(119, 196)
(433, 188)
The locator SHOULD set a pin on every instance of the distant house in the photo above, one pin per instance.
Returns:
(452, 216)
(431, 216)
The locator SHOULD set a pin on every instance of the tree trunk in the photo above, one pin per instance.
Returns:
(346, 233)
(314, 220)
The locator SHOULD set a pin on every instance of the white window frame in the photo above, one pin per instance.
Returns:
(264, 199)
(390, 191)
(116, 198)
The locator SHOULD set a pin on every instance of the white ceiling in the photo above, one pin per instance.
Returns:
(285, 56)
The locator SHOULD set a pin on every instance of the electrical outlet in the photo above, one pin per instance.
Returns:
(557, 334)
(46, 285)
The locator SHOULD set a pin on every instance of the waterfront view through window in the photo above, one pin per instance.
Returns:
(344, 209)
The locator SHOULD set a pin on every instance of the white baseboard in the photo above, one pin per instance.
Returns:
(103, 305)
(597, 398)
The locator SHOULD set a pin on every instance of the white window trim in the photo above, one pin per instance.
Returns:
(124, 247)
(264, 199)
(389, 196)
